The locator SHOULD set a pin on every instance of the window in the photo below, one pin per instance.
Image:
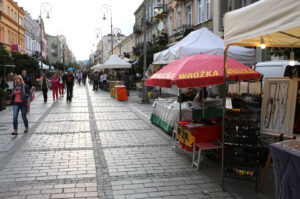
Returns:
(178, 18)
(16, 38)
(2, 35)
(8, 10)
(245, 3)
(20, 21)
(203, 10)
(15, 16)
(170, 25)
(8, 37)
(208, 9)
(1, 5)
(229, 5)
(12, 38)
(188, 14)
(12, 13)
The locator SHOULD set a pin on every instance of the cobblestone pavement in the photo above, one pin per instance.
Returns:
(95, 147)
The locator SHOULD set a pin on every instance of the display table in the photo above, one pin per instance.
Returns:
(112, 87)
(166, 113)
(286, 162)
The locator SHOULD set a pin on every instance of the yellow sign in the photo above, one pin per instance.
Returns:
(185, 136)
(203, 73)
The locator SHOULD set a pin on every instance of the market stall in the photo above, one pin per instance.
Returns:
(205, 42)
(278, 27)
(191, 72)
(115, 62)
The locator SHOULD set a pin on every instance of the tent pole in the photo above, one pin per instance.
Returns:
(180, 104)
(224, 111)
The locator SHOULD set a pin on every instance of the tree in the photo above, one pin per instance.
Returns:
(159, 44)
(285, 52)
(5, 58)
(59, 66)
(25, 62)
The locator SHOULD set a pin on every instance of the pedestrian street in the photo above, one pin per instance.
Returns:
(95, 147)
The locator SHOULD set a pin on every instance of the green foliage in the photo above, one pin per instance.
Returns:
(159, 44)
(285, 52)
(2, 93)
(5, 58)
(23, 61)
(59, 66)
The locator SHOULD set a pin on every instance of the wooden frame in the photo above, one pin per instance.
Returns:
(288, 112)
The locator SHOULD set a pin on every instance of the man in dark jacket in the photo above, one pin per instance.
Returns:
(69, 81)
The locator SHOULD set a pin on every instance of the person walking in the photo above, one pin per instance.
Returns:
(27, 81)
(21, 95)
(61, 85)
(84, 76)
(45, 85)
(79, 77)
(55, 84)
(69, 81)
(95, 80)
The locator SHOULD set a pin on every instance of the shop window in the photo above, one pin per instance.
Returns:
(245, 3)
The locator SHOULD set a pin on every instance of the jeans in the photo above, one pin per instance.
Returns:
(69, 93)
(16, 108)
(45, 91)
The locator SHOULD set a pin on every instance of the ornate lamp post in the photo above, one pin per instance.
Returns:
(45, 7)
(105, 9)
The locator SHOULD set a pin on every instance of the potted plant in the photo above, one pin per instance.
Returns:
(2, 99)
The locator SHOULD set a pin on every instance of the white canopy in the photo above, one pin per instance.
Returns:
(115, 62)
(45, 67)
(203, 41)
(96, 66)
(276, 21)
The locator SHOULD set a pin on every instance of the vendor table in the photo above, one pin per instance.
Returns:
(286, 162)
(164, 115)
(112, 87)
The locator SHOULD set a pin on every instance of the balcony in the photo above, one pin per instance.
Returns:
(160, 11)
(137, 29)
(180, 31)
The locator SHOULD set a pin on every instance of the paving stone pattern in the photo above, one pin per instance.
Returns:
(94, 147)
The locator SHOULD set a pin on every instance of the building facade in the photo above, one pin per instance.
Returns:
(125, 48)
(106, 42)
(54, 49)
(12, 28)
(151, 22)
(32, 36)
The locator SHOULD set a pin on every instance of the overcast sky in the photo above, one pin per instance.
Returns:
(78, 19)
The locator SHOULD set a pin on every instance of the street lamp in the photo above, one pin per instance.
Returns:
(117, 31)
(145, 94)
(105, 9)
(99, 31)
(45, 7)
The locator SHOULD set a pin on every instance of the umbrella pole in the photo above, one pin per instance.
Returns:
(203, 111)
(180, 104)
(224, 111)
